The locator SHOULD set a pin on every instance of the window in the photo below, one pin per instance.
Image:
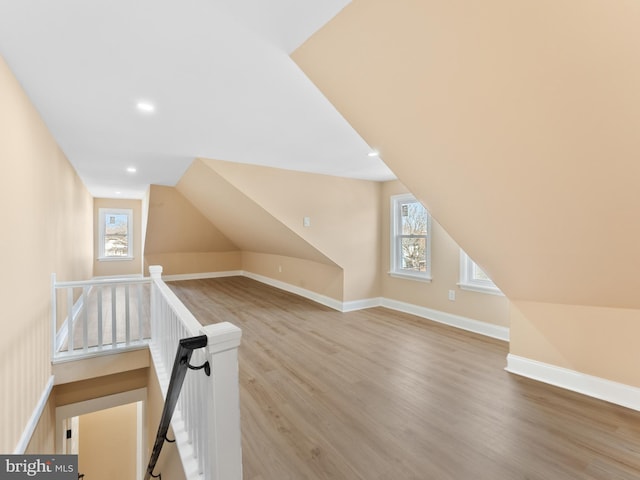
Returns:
(410, 238)
(473, 278)
(115, 234)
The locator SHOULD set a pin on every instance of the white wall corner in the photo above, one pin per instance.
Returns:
(361, 304)
(603, 389)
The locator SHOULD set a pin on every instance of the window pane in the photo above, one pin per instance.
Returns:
(116, 240)
(414, 218)
(478, 274)
(414, 254)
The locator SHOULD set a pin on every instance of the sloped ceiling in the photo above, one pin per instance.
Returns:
(239, 218)
(514, 122)
(218, 73)
(175, 225)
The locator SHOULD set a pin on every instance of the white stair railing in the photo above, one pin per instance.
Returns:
(101, 316)
(114, 315)
(206, 422)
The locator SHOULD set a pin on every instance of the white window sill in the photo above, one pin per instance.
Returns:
(481, 289)
(409, 276)
(115, 259)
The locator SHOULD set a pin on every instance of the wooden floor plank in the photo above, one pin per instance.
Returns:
(377, 394)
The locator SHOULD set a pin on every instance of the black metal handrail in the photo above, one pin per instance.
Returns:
(186, 347)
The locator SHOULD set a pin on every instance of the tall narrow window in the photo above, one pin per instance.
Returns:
(472, 277)
(410, 238)
(115, 234)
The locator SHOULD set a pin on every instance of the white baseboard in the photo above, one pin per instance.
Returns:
(303, 292)
(201, 275)
(354, 305)
(25, 438)
(458, 321)
(613, 392)
(476, 326)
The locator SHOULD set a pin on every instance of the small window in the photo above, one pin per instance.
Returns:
(473, 278)
(410, 238)
(115, 234)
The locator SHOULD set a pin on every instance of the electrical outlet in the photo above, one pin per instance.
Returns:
(452, 295)
(279, 268)
(306, 222)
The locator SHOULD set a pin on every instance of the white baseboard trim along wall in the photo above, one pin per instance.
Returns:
(23, 443)
(458, 321)
(613, 392)
(469, 324)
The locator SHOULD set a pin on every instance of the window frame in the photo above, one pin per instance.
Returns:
(467, 282)
(102, 213)
(395, 264)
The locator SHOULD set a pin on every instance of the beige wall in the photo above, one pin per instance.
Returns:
(182, 239)
(344, 214)
(43, 438)
(246, 223)
(119, 267)
(320, 278)
(262, 209)
(445, 272)
(47, 222)
(108, 443)
(513, 123)
(144, 224)
(194, 262)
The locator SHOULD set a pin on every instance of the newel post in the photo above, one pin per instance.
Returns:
(155, 271)
(224, 442)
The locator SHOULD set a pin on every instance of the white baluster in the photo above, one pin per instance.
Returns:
(99, 299)
(70, 319)
(85, 318)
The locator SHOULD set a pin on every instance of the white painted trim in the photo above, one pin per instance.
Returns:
(202, 275)
(94, 405)
(354, 305)
(411, 276)
(63, 332)
(603, 389)
(458, 321)
(476, 326)
(102, 213)
(303, 292)
(396, 229)
(25, 438)
(92, 352)
(481, 289)
(182, 441)
(117, 277)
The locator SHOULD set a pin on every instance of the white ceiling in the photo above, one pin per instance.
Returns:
(218, 71)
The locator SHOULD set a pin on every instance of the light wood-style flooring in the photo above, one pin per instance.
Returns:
(377, 394)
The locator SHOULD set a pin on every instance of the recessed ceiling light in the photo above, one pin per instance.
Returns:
(118, 193)
(146, 107)
(373, 153)
(131, 169)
